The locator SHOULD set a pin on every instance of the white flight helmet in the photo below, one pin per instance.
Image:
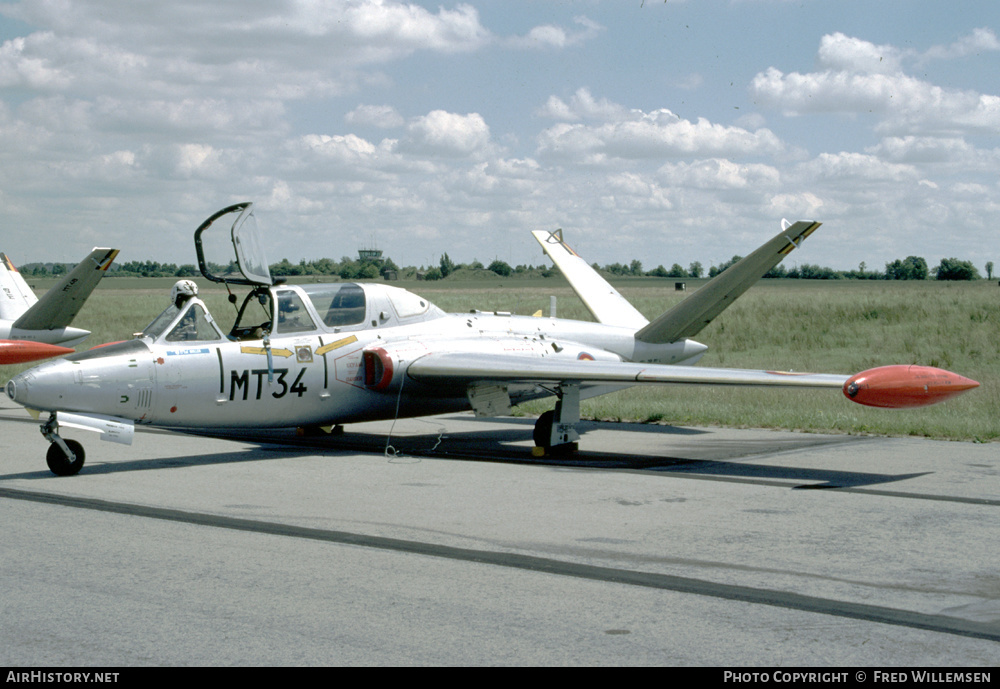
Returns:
(182, 291)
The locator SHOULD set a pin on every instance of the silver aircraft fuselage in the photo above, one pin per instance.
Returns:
(324, 362)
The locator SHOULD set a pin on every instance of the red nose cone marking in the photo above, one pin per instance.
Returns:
(902, 387)
(21, 351)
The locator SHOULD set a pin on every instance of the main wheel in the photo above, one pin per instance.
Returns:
(59, 464)
(542, 435)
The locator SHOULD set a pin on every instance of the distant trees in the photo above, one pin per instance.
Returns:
(911, 268)
(954, 269)
(447, 265)
(500, 268)
(715, 270)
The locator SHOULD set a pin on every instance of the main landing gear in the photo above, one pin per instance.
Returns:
(555, 432)
(65, 457)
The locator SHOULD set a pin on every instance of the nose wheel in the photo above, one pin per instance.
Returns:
(65, 457)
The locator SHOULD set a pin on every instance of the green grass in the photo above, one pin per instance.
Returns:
(819, 326)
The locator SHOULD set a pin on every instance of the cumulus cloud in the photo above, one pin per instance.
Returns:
(719, 173)
(862, 78)
(552, 36)
(583, 106)
(633, 134)
(855, 168)
(448, 134)
(979, 41)
(179, 107)
(301, 47)
(842, 53)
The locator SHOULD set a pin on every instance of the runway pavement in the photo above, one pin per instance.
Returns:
(447, 543)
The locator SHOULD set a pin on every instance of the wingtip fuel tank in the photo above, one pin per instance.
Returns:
(23, 351)
(902, 386)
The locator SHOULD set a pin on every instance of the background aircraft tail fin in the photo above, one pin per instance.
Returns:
(58, 307)
(15, 295)
(601, 299)
(687, 318)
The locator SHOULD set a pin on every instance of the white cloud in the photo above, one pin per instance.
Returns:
(718, 173)
(979, 41)
(921, 149)
(448, 134)
(180, 107)
(652, 135)
(861, 78)
(298, 47)
(840, 53)
(583, 106)
(857, 169)
(552, 36)
(802, 205)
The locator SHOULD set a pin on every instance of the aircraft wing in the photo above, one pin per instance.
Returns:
(459, 368)
(688, 317)
(58, 307)
(603, 301)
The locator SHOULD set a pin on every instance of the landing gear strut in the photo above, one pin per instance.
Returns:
(65, 457)
(555, 431)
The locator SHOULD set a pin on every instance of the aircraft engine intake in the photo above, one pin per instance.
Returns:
(378, 369)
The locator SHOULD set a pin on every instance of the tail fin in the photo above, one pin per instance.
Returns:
(58, 307)
(688, 318)
(601, 299)
(15, 295)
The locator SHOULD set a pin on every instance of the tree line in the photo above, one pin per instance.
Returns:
(909, 268)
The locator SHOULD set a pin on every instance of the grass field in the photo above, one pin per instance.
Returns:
(802, 325)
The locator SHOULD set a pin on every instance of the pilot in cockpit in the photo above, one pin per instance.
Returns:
(180, 293)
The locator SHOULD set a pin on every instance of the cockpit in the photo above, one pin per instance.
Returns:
(273, 308)
(296, 310)
(190, 322)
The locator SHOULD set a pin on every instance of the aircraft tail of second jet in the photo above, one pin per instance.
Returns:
(58, 307)
(689, 317)
(15, 295)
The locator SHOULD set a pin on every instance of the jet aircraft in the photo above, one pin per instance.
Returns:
(33, 328)
(316, 355)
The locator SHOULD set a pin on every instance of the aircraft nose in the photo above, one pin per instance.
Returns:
(41, 387)
(17, 389)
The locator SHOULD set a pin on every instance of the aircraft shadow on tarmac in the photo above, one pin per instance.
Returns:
(511, 446)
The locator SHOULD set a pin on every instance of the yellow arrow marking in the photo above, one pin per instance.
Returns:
(336, 345)
(260, 350)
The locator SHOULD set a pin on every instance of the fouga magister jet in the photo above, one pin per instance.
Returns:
(33, 328)
(316, 355)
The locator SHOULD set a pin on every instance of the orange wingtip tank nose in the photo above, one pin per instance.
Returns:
(22, 351)
(902, 387)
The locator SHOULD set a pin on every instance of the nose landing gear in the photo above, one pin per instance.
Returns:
(65, 457)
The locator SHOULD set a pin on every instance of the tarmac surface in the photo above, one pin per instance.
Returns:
(447, 543)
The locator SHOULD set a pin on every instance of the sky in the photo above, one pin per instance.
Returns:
(668, 132)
